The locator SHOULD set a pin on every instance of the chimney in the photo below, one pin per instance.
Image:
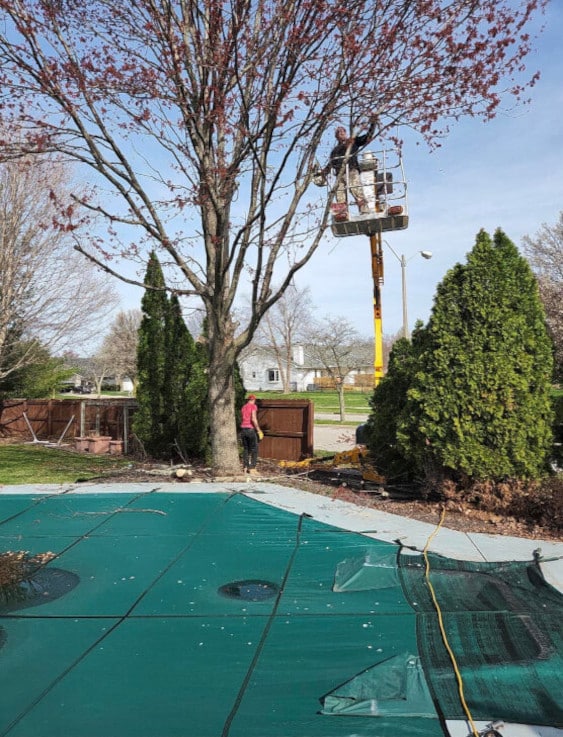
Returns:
(298, 355)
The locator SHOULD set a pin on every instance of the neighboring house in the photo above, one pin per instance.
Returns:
(84, 384)
(260, 371)
(76, 383)
(127, 385)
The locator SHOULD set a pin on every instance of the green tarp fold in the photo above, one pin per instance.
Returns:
(396, 686)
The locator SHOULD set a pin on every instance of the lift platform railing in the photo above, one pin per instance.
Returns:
(375, 195)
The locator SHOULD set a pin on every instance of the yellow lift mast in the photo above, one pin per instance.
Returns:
(384, 208)
(376, 245)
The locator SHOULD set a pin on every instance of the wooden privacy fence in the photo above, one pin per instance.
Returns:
(48, 419)
(288, 428)
(287, 424)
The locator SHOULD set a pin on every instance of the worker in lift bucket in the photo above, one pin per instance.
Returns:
(345, 152)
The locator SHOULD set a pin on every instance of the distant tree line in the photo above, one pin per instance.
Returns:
(51, 299)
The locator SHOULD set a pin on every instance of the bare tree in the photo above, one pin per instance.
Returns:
(205, 121)
(119, 348)
(283, 327)
(545, 254)
(336, 345)
(50, 298)
(97, 367)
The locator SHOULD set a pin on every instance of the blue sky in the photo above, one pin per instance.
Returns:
(507, 173)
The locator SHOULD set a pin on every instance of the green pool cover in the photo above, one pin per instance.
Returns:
(207, 615)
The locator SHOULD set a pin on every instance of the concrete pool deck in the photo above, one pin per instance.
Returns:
(370, 522)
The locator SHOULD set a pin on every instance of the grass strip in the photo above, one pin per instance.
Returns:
(37, 464)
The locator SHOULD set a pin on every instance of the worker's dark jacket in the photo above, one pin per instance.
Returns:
(338, 153)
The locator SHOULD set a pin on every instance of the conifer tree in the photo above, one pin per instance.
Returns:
(196, 422)
(179, 357)
(387, 404)
(149, 419)
(207, 100)
(173, 378)
(195, 415)
(172, 417)
(478, 399)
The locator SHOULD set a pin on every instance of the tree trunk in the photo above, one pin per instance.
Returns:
(287, 374)
(340, 389)
(222, 419)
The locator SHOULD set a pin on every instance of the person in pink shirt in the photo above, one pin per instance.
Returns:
(250, 433)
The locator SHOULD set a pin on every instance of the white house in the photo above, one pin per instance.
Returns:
(260, 370)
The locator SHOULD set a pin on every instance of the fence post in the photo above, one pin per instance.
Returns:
(125, 429)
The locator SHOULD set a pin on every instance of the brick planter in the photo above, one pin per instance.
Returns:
(82, 444)
(99, 444)
(116, 447)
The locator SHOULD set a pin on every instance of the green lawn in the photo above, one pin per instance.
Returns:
(326, 402)
(36, 464)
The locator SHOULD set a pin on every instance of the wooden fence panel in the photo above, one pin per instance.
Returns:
(47, 417)
(288, 428)
(50, 418)
(287, 424)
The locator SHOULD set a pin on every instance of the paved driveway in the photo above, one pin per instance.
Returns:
(335, 438)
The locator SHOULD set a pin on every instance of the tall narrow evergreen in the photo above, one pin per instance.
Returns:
(173, 378)
(195, 419)
(178, 369)
(477, 404)
(196, 422)
(150, 417)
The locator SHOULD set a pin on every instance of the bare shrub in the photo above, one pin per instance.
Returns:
(17, 567)
(532, 502)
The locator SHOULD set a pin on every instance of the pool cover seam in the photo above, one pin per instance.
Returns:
(34, 504)
(228, 615)
(86, 534)
(53, 683)
(271, 617)
(265, 633)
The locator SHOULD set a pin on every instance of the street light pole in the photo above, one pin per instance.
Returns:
(404, 293)
(404, 261)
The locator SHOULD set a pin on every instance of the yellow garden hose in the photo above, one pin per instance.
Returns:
(442, 629)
